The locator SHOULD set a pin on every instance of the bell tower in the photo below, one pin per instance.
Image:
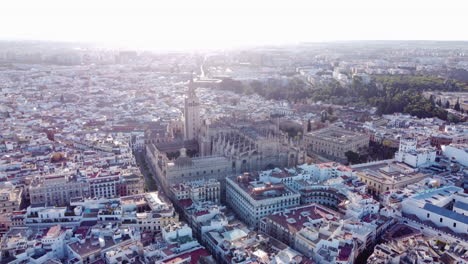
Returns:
(191, 113)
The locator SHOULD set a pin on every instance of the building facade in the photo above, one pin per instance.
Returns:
(106, 186)
(411, 155)
(10, 198)
(57, 189)
(333, 142)
(215, 150)
(433, 206)
(388, 177)
(252, 200)
(198, 191)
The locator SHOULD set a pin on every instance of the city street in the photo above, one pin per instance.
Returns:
(150, 182)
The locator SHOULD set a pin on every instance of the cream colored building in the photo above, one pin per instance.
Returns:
(134, 183)
(333, 142)
(148, 212)
(10, 198)
(389, 177)
(185, 169)
(198, 191)
(57, 189)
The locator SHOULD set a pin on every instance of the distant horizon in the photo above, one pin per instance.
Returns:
(210, 24)
(96, 44)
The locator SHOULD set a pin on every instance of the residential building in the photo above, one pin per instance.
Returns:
(386, 176)
(10, 198)
(444, 207)
(58, 189)
(198, 191)
(413, 156)
(252, 200)
(456, 152)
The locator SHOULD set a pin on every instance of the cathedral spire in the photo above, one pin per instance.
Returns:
(191, 87)
(192, 112)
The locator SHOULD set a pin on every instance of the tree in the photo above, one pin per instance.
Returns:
(456, 107)
(352, 157)
(309, 125)
(50, 135)
(447, 105)
(387, 143)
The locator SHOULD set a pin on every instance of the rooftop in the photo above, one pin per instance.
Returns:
(294, 218)
(262, 190)
(446, 212)
(439, 192)
(461, 205)
(336, 135)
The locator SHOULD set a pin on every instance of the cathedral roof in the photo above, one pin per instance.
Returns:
(183, 160)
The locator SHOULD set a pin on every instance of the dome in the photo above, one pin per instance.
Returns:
(183, 160)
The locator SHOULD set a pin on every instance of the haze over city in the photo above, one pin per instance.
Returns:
(226, 24)
(240, 132)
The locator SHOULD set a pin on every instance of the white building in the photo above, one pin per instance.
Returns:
(54, 240)
(432, 205)
(252, 200)
(409, 154)
(137, 141)
(180, 234)
(458, 153)
(107, 186)
(314, 172)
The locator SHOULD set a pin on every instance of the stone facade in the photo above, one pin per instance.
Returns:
(10, 198)
(191, 114)
(198, 191)
(57, 190)
(215, 150)
(389, 177)
(333, 142)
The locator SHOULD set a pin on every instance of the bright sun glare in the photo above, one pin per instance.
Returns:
(213, 24)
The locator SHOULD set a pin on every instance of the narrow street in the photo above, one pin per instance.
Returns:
(150, 182)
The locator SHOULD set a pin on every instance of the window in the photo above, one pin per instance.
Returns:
(454, 224)
(441, 220)
(428, 215)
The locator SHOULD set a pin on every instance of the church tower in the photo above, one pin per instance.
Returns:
(191, 114)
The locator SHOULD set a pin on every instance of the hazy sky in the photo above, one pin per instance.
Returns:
(217, 23)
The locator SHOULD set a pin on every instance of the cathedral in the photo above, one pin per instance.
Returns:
(217, 148)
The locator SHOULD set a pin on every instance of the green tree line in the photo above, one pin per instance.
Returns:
(389, 93)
